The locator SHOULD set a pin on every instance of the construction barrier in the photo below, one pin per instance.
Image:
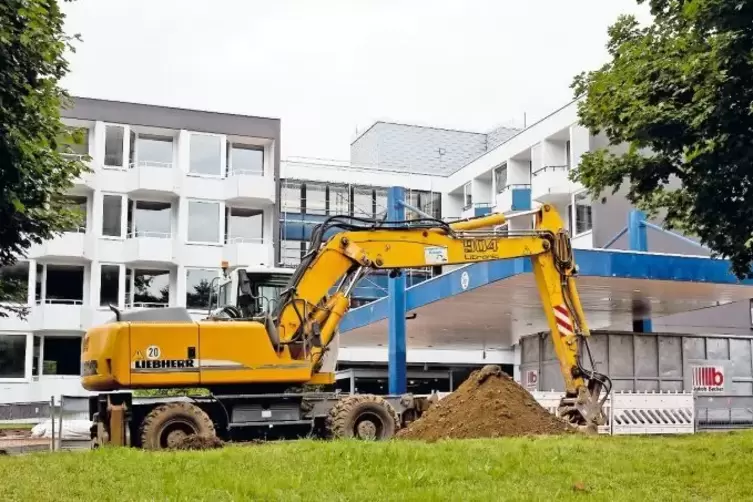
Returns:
(638, 412)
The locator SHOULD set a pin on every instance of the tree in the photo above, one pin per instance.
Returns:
(35, 172)
(678, 94)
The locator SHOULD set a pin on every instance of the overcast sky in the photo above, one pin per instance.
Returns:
(328, 68)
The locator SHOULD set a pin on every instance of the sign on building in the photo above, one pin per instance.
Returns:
(531, 380)
(708, 378)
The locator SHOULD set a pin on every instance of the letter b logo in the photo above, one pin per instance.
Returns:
(717, 377)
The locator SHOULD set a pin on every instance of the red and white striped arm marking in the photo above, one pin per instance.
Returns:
(564, 324)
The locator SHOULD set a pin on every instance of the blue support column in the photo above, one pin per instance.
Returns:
(396, 359)
(638, 239)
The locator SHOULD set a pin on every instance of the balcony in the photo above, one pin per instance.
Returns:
(84, 182)
(516, 197)
(60, 315)
(145, 248)
(155, 180)
(76, 246)
(244, 252)
(551, 185)
(476, 209)
(246, 187)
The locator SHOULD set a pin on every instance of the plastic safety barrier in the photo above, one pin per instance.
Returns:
(638, 412)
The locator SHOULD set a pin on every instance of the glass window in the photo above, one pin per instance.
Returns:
(291, 196)
(150, 219)
(291, 252)
(78, 204)
(315, 198)
(500, 177)
(244, 225)
(109, 285)
(62, 355)
(363, 202)
(114, 145)
(436, 205)
(64, 284)
(246, 159)
(198, 287)
(380, 202)
(157, 150)
(74, 141)
(16, 279)
(583, 216)
(206, 154)
(112, 212)
(339, 199)
(151, 288)
(467, 196)
(13, 356)
(568, 153)
(203, 221)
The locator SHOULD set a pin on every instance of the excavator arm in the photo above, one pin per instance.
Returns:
(307, 315)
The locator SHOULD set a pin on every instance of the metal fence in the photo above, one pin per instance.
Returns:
(56, 418)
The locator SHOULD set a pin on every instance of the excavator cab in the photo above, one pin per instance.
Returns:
(248, 292)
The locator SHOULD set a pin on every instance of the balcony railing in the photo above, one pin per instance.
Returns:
(514, 186)
(544, 169)
(149, 233)
(245, 172)
(151, 163)
(59, 301)
(147, 305)
(244, 240)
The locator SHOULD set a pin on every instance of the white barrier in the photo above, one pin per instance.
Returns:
(638, 412)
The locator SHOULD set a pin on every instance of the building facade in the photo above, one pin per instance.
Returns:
(171, 194)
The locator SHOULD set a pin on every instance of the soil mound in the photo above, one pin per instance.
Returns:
(488, 404)
(197, 442)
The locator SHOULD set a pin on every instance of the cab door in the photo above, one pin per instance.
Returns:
(164, 354)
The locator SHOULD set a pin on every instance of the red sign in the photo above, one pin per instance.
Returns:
(708, 378)
(532, 379)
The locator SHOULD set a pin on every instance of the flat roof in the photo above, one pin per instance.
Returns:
(500, 301)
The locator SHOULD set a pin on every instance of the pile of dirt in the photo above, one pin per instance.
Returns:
(488, 404)
(198, 442)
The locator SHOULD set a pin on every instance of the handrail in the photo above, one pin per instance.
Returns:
(151, 163)
(552, 168)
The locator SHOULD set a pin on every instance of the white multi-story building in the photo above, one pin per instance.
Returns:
(172, 193)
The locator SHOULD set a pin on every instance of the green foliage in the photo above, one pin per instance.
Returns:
(193, 392)
(35, 171)
(679, 95)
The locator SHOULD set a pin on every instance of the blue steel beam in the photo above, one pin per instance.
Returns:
(396, 357)
(638, 240)
(591, 262)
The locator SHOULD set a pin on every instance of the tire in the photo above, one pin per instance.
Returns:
(362, 417)
(168, 424)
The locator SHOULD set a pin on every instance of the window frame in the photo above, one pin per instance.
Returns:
(574, 213)
(221, 207)
(222, 166)
(502, 167)
(121, 280)
(216, 273)
(28, 357)
(467, 195)
(126, 145)
(230, 145)
(123, 216)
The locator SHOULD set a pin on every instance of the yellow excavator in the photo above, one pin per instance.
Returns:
(258, 360)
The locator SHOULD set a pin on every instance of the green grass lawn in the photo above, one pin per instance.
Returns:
(702, 467)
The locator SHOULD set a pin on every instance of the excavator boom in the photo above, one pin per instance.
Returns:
(307, 314)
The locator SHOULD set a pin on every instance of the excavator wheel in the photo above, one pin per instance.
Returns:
(364, 416)
(168, 424)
